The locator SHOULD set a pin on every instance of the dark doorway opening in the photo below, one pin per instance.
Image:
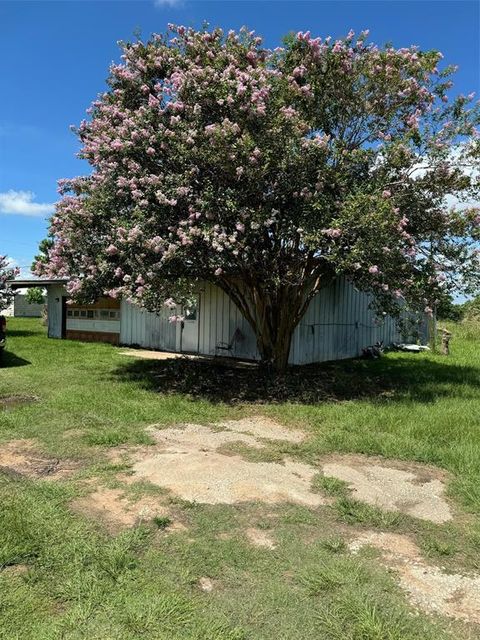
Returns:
(64, 317)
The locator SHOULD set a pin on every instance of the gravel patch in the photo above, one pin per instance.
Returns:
(187, 461)
(261, 427)
(214, 478)
(417, 491)
(427, 586)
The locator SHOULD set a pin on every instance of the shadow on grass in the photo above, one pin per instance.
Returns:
(8, 359)
(390, 378)
(21, 333)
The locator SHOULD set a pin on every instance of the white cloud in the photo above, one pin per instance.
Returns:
(23, 264)
(22, 203)
(167, 3)
(455, 161)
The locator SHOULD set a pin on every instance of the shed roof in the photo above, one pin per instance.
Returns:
(36, 282)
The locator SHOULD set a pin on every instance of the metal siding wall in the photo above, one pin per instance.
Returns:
(54, 310)
(219, 319)
(149, 330)
(24, 309)
(338, 324)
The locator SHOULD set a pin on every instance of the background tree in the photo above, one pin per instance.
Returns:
(447, 309)
(42, 256)
(270, 173)
(6, 273)
(471, 309)
(35, 295)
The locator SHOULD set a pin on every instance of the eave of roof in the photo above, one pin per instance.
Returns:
(36, 282)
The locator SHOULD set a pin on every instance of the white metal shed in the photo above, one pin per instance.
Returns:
(338, 324)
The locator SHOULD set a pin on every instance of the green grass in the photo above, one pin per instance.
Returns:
(356, 512)
(330, 486)
(64, 576)
(162, 522)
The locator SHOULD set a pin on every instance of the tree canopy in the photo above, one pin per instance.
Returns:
(42, 256)
(270, 173)
(35, 295)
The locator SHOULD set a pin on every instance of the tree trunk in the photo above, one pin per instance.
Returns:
(274, 355)
(274, 336)
(273, 316)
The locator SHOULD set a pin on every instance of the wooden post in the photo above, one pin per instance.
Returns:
(446, 337)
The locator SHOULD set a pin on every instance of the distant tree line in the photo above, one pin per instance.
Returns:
(449, 310)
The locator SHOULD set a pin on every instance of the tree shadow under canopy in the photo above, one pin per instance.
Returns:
(389, 378)
(9, 359)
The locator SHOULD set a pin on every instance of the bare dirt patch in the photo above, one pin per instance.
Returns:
(11, 402)
(15, 570)
(205, 584)
(394, 545)
(146, 354)
(115, 510)
(412, 489)
(21, 458)
(428, 587)
(260, 538)
(187, 460)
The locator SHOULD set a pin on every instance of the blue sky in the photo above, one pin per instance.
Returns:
(54, 59)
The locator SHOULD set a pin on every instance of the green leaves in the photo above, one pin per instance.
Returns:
(214, 159)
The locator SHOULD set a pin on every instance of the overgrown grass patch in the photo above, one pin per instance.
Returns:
(162, 522)
(330, 486)
(355, 512)
(115, 437)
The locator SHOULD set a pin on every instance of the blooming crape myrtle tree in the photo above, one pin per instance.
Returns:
(6, 273)
(270, 173)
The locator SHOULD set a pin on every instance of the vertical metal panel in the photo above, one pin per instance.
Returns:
(337, 324)
(22, 308)
(149, 330)
(54, 310)
(219, 320)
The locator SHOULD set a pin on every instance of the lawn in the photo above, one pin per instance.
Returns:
(64, 575)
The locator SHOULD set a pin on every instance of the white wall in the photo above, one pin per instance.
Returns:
(338, 324)
(148, 330)
(24, 309)
(219, 319)
(54, 309)
(102, 326)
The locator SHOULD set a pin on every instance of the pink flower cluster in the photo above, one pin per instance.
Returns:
(212, 156)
